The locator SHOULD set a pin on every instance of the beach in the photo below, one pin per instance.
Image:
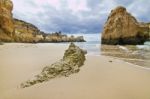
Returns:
(101, 77)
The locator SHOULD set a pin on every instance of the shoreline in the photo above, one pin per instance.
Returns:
(128, 53)
(67, 44)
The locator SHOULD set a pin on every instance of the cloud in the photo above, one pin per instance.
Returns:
(75, 16)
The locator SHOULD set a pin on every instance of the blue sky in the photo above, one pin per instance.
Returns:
(75, 16)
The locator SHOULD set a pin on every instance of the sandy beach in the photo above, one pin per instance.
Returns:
(101, 77)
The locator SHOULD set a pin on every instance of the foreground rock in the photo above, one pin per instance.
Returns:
(122, 28)
(73, 59)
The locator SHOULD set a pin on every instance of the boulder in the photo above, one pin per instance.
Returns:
(123, 28)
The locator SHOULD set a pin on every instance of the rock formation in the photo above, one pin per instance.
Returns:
(122, 28)
(58, 37)
(6, 21)
(73, 59)
(14, 30)
(26, 32)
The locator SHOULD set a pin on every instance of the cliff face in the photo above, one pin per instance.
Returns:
(122, 28)
(14, 30)
(6, 21)
(26, 32)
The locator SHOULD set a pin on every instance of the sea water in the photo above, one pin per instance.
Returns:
(92, 44)
(146, 46)
(92, 47)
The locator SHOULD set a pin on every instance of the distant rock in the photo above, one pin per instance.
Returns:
(80, 39)
(6, 20)
(76, 39)
(59, 37)
(122, 28)
(73, 59)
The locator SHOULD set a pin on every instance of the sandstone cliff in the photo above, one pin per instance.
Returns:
(26, 32)
(71, 62)
(6, 21)
(122, 28)
(15, 30)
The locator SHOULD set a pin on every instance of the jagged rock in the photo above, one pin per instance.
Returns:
(122, 28)
(73, 59)
(6, 20)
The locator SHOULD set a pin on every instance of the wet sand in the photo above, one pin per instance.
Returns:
(128, 53)
(101, 77)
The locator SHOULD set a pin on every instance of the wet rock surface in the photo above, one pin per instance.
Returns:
(73, 59)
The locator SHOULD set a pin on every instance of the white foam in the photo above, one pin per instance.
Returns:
(143, 47)
(124, 48)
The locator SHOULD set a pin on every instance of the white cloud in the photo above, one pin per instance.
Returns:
(78, 5)
(75, 15)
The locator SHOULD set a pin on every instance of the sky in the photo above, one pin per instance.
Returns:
(75, 16)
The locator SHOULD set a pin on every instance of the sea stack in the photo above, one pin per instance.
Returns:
(123, 28)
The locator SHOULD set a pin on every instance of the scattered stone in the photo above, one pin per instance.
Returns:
(73, 59)
(111, 61)
(1, 43)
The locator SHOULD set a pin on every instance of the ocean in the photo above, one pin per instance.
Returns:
(92, 47)
(93, 44)
(138, 55)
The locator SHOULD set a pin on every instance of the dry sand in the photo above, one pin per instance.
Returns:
(98, 79)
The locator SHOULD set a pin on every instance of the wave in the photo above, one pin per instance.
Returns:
(146, 46)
